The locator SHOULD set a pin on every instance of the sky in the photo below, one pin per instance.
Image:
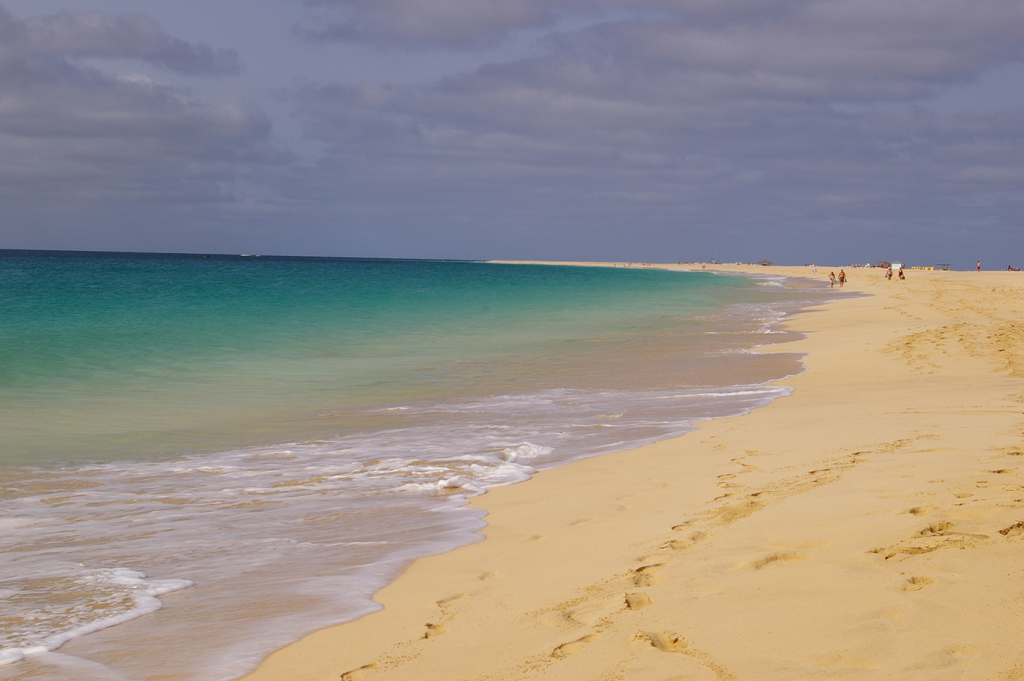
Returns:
(833, 131)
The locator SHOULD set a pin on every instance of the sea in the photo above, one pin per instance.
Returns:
(205, 457)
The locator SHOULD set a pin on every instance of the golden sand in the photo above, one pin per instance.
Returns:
(869, 526)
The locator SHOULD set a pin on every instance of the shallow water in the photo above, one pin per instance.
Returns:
(259, 445)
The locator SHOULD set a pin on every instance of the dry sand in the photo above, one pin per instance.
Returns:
(869, 526)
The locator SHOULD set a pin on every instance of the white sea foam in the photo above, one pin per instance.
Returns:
(273, 507)
(527, 450)
(106, 597)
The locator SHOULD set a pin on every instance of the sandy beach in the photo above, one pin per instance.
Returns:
(868, 526)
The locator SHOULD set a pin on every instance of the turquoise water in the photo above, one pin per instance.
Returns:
(108, 356)
(233, 451)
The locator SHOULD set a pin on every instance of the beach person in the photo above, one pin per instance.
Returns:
(814, 268)
(842, 278)
(831, 279)
(901, 274)
(979, 265)
(888, 274)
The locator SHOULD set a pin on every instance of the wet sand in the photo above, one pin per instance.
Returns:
(869, 526)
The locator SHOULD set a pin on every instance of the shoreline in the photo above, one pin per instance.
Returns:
(266, 597)
(809, 537)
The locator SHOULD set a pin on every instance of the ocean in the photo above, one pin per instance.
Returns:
(229, 452)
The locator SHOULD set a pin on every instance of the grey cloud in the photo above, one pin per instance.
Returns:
(75, 131)
(419, 23)
(126, 141)
(460, 24)
(810, 183)
(128, 36)
(664, 127)
(845, 49)
(836, 50)
(747, 121)
(812, 24)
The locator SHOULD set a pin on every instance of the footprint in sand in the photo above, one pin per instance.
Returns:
(665, 641)
(356, 674)
(1013, 530)
(645, 575)
(682, 527)
(580, 522)
(936, 536)
(637, 601)
(917, 583)
(940, 527)
(921, 510)
(732, 513)
(781, 557)
(434, 630)
(683, 544)
(484, 576)
(451, 599)
(572, 647)
(723, 481)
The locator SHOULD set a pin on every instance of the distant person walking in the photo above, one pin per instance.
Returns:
(842, 278)
(888, 274)
(814, 268)
(979, 265)
(901, 274)
(831, 279)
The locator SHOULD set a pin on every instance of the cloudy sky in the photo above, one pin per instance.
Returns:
(795, 130)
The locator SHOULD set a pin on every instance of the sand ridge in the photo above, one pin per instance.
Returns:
(868, 526)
